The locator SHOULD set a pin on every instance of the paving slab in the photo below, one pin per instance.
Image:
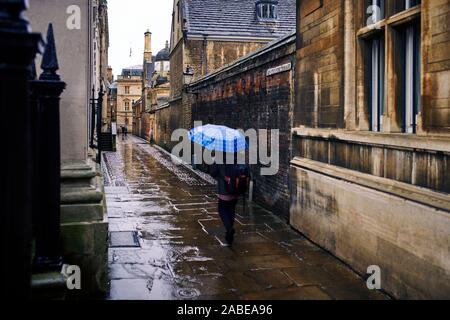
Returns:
(182, 255)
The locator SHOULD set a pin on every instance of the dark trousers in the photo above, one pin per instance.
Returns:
(227, 212)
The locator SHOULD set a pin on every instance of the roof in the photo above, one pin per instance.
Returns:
(150, 68)
(161, 80)
(164, 54)
(132, 71)
(237, 18)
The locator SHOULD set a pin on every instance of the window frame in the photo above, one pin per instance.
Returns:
(392, 92)
(271, 11)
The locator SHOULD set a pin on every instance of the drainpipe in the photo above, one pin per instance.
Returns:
(205, 55)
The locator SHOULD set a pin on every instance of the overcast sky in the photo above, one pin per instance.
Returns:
(128, 21)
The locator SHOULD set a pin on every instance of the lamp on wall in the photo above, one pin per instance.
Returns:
(188, 75)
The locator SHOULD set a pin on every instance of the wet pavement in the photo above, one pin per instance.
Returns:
(177, 249)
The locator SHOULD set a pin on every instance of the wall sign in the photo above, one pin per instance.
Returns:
(279, 69)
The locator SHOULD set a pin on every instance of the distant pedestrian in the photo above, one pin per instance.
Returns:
(233, 182)
(125, 131)
(151, 135)
(122, 128)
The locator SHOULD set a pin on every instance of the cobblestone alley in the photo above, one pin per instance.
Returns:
(166, 240)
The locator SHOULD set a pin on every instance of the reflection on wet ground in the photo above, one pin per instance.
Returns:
(181, 253)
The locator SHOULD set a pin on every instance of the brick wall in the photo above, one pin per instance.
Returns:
(203, 57)
(242, 96)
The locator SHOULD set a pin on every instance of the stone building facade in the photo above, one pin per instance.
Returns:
(202, 43)
(155, 93)
(251, 94)
(129, 90)
(100, 53)
(371, 139)
(84, 222)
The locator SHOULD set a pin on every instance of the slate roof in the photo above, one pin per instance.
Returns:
(236, 18)
(132, 71)
(164, 54)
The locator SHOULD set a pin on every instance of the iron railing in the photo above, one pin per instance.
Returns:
(30, 161)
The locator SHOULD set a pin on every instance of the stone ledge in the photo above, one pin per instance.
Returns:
(71, 213)
(48, 286)
(406, 191)
(390, 140)
(85, 195)
(73, 169)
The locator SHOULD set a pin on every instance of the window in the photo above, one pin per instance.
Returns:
(389, 58)
(127, 106)
(127, 90)
(376, 83)
(402, 5)
(375, 11)
(266, 10)
(411, 85)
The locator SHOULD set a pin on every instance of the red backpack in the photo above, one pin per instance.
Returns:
(238, 181)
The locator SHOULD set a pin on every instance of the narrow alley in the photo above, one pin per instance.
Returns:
(166, 240)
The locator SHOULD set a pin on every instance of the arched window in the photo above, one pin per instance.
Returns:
(267, 10)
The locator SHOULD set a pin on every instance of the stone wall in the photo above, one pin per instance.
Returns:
(176, 71)
(243, 96)
(366, 226)
(319, 64)
(167, 119)
(147, 123)
(436, 68)
(207, 56)
(373, 198)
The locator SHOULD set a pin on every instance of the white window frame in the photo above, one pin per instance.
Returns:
(377, 84)
(411, 109)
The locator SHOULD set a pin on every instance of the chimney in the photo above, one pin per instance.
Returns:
(110, 75)
(148, 46)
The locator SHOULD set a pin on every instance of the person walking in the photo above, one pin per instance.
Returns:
(233, 179)
(125, 131)
(151, 136)
(232, 182)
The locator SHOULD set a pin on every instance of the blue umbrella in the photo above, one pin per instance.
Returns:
(219, 138)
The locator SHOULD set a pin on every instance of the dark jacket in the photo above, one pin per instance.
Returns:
(219, 172)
